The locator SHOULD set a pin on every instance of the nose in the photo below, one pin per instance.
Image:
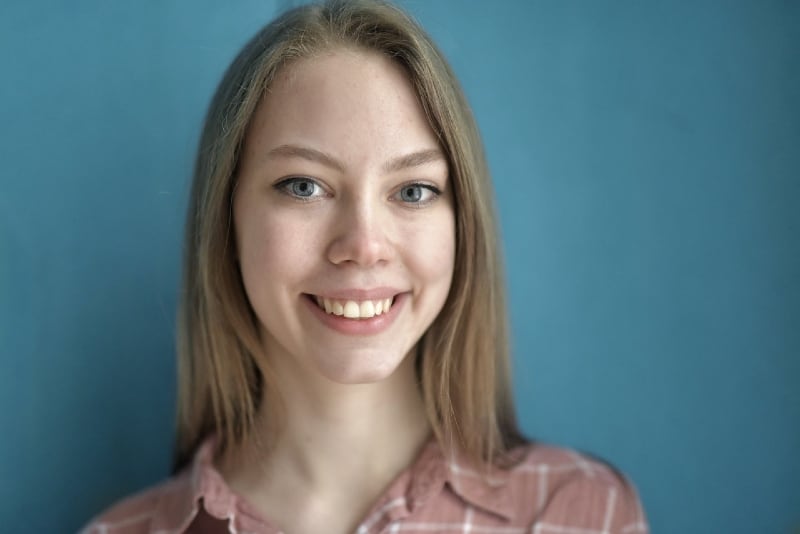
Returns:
(359, 235)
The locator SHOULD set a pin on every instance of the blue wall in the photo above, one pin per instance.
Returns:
(647, 163)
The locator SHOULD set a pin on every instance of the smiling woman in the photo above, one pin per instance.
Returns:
(343, 356)
(368, 192)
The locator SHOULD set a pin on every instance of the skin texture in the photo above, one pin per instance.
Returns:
(363, 217)
(355, 233)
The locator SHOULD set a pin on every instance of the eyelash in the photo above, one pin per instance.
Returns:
(284, 187)
(435, 193)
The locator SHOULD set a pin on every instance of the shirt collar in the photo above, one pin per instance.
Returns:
(487, 489)
(178, 506)
(484, 488)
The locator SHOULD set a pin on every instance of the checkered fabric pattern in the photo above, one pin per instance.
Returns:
(547, 491)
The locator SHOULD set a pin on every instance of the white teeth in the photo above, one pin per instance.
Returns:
(367, 309)
(352, 309)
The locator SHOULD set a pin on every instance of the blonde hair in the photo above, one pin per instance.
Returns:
(462, 360)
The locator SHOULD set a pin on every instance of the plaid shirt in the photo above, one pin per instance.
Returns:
(547, 491)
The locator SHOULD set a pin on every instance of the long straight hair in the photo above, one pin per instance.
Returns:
(462, 359)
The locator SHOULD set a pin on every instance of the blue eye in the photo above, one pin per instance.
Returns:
(419, 194)
(300, 188)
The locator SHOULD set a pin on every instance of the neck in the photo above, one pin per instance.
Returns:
(334, 433)
(336, 440)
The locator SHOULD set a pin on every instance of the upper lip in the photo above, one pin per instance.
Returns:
(376, 293)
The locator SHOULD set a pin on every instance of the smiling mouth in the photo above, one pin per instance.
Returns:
(354, 309)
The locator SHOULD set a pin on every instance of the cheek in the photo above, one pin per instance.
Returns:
(273, 250)
(431, 251)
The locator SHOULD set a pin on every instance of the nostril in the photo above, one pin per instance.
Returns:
(362, 252)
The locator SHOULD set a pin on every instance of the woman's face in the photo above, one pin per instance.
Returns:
(344, 218)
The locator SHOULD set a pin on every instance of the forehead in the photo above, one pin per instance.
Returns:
(343, 100)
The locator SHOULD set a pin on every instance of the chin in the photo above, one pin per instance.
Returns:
(352, 369)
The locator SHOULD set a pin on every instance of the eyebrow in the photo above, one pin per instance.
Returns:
(310, 154)
(414, 159)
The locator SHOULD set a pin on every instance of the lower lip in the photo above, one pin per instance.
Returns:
(357, 327)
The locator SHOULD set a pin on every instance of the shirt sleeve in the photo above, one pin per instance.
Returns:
(598, 504)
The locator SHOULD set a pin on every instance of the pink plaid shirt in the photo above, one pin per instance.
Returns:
(548, 491)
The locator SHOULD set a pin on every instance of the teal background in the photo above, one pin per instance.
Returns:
(647, 163)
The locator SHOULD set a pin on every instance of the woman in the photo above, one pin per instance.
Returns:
(343, 353)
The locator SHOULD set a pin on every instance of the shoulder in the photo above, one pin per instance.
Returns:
(559, 488)
(161, 507)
